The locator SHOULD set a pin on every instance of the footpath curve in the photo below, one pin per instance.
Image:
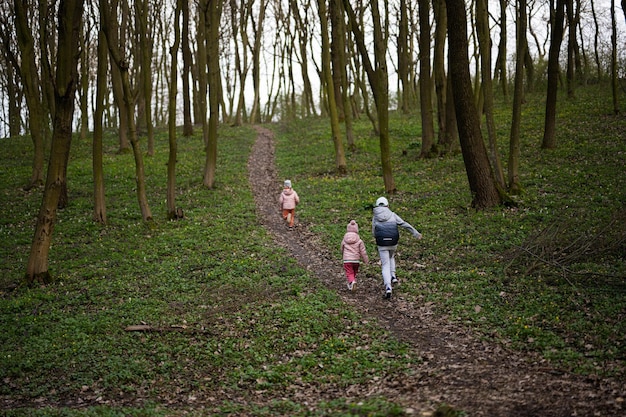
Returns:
(482, 378)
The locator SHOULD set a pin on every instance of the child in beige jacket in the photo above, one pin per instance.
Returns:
(288, 201)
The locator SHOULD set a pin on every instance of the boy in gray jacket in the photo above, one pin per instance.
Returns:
(385, 230)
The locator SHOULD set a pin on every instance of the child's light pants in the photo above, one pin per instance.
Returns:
(387, 260)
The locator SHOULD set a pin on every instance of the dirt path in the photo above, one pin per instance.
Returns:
(479, 377)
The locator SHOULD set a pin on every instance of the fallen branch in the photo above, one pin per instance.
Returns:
(146, 328)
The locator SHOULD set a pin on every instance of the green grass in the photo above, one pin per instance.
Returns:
(470, 263)
(239, 314)
(241, 319)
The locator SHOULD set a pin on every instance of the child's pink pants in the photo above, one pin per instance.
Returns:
(351, 268)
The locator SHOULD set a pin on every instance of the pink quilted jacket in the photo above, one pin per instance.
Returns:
(289, 199)
(352, 247)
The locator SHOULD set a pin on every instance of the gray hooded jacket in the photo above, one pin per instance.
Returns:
(385, 226)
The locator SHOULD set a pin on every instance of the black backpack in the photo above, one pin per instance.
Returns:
(386, 234)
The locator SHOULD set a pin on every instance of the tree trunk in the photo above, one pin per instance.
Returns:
(202, 61)
(481, 182)
(596, 38)
(84, 86)
(378, 78)
(426, 83)
(116, 37)
(47, 52)
(439, 71)
(69, 22)
(145, 47)
(257, 27)
(484, 41)
(171, 123)
(187, 60)
(404, 58)
(302, 27)
(14, 97)
(451, 139)
(99, 207)
(214, 13)
(340, 69)
(30, 81)
(335, 17)
(239, 24)
(515, 186)
(549, 129)
(578, 59)
(571, 44)
(501, 70)
(129, 99)
(614, 80)
(340, 157)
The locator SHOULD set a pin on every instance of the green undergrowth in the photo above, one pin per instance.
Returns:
(233, 326)
(228, 317)
(547, 274)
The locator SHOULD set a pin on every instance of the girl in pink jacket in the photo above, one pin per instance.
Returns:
(288, 201)
(352, 251)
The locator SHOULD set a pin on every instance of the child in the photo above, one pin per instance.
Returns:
(352, 251)
(385, 229)
(288, 201)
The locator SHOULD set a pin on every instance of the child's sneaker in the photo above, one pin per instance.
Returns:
(350, 285)
(388, 293)
(394, 280)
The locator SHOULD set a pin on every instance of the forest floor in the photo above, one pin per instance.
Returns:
(458, 368)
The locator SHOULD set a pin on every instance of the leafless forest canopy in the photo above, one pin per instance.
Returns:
(270, 60)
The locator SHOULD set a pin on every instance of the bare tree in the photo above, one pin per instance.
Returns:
(123, 65)
(11, 83)
(84, 81)
(501, 59)
(439, 69)
(596, 36)
(518, 96)
(614, 58)
(404, 58)
(213, 14)
(426, 82)
(484, 41)
(117, 36)
(378, 79)
(186, 75)
(65, 84)
(99, 208)
(201, 69)
(340, 158)
(482, 184)
(301, 15)
(32, 92)
(47, 47)
(255, 48)
(172, 213)
(144, 29)
(571, 47)
(340, 73)
(274, 81)
(549, 129)
(239, 20)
